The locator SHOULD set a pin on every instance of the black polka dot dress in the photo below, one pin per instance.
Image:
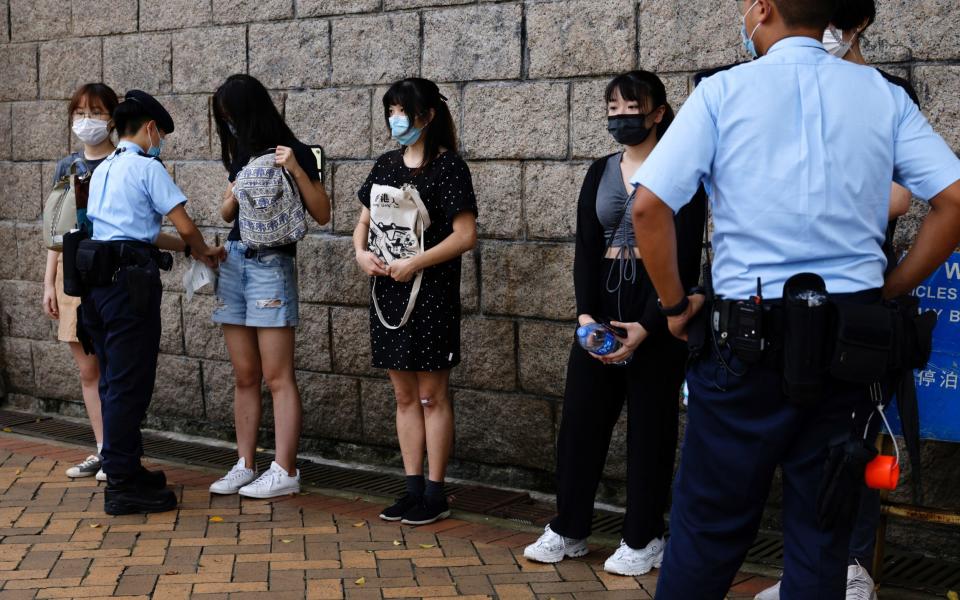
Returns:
(430, 341)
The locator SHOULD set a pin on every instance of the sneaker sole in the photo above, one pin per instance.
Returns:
(391, 519)
(636, 573)
(224, 492)
(104, 478)
(546, 561)
(266, 495)
(80, 475)
(439, 517)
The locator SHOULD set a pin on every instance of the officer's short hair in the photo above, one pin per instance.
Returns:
(810, 14)
(129, 117)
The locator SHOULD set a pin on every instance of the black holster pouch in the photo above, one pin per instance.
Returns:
(83, 336)
(806, 316)
(95, 263)
(863, 348)
(72, 282)
(697, 332)
(139, 288)
(839, 496)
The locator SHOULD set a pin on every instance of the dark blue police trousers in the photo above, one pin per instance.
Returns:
(740, 427)
(126, 339)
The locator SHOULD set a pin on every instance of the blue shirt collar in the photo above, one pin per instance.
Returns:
(129, 145)
(796, 41)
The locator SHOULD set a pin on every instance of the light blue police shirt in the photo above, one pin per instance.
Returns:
(129, 196)
(797, 150)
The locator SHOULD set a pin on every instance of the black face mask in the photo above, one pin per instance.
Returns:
(629, 130)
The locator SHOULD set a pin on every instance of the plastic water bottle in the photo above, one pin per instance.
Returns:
(596, 338)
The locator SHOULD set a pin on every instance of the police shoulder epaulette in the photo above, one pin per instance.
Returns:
(145, 155)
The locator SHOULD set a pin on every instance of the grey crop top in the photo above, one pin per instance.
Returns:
(612, 202)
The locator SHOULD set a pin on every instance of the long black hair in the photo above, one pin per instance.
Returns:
(851, 14)
(245, 103)
(418, 96)
(646, 89)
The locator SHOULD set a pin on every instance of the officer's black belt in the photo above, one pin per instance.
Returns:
(129, 253)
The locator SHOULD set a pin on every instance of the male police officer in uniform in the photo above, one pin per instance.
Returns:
(797, 151)
(129, 196)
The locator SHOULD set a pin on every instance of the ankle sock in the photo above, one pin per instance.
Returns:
(99, 449)
(434, 489)
(415, 485)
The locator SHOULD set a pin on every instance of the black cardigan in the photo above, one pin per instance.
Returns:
(591, 245)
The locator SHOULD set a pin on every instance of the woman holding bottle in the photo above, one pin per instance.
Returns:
(646, 371)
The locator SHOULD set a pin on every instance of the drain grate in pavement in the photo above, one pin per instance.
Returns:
(9, 418)
(900, 569)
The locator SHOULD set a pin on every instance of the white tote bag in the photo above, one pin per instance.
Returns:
(398, 220)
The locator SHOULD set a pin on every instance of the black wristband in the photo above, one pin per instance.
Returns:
(676, 310)
(187, 250)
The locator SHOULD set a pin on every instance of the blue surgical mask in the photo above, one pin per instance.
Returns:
(402, 131)
(748, 44)
(155, 151)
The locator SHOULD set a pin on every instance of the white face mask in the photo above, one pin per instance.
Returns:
(91, 131)
(833, 42)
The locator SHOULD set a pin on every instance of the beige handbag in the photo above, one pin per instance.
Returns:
(60, 209)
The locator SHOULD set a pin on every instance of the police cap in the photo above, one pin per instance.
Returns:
(153, 108)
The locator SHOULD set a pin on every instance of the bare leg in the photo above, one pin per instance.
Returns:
(276, 356)
(410, 426)
(245, 357)
(433, 387)
(90, 385)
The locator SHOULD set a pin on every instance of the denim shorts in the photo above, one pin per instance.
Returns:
(257, 288)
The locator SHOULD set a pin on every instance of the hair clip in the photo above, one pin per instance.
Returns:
(442, 97)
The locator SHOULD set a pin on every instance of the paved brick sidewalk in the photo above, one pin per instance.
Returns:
(56, 542)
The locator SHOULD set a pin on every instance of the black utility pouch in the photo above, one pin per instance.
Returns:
(139, 286)
(864, 342)
(842, 482)
(95, 263)
(806, 314)
(72, 283)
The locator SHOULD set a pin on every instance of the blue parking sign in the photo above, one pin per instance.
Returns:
(938, 388)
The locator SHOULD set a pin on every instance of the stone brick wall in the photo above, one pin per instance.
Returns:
(525, 81)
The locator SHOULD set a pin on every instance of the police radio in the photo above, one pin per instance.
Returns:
(748, 340)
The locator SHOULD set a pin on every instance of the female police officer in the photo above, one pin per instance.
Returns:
(129, 196)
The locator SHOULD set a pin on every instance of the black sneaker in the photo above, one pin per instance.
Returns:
(429, 510)
(134, 496)
(399, 508)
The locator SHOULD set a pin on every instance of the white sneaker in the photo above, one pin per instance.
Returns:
(273, 482)
(236, 478)
(632, 563)
(87, 468)
(553, 547)
(101, 476)
(771, 593)
(860, 585)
